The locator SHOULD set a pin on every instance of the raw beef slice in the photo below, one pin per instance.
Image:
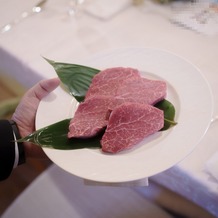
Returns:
(141, 90)
(129, 124)
(107, 81)
(90, 117)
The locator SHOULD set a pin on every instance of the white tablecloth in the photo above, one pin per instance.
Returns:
(55, 35)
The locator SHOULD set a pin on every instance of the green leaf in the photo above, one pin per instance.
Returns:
(169, 113)
(55, 136)
(76, 78)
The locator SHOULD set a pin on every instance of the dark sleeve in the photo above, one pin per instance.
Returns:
(8, 133)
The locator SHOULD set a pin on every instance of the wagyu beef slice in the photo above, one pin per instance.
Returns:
(141, 90)
(107, 81)
(129, 124)
(90, 117)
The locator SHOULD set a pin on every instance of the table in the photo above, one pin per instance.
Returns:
(55, 35)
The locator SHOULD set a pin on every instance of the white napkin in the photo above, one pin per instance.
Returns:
(212, 165)
(105, 9)
(136, 183)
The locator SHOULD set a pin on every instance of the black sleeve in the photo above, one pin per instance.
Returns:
(8, 133)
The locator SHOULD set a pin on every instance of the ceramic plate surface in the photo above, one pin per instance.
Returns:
(187, 90)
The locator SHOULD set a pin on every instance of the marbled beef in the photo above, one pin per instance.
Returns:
(125, 98)
(141, 90)
(130, 123)
(107, 81)
(90, 117)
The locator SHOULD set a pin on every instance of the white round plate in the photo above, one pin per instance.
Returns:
(187, 90)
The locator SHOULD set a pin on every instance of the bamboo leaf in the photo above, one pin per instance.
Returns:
(55, 136)
(76, 78)
(169, 113)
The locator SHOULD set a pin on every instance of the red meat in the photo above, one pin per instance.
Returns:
(90, 118)
(121, 100)
(130, 123)
(141, 90)
(107, 81)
